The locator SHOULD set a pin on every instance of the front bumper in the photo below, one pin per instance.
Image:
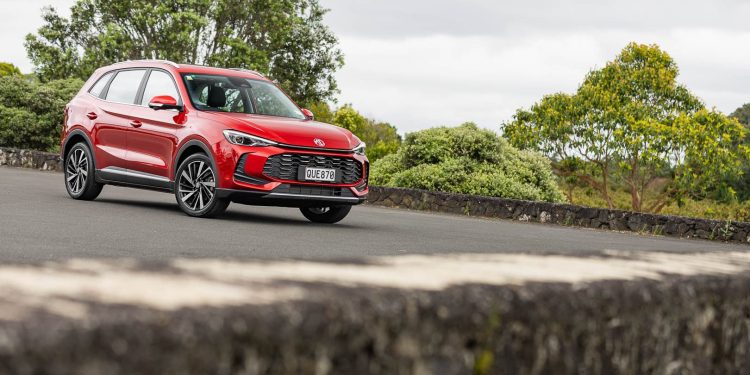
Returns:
(243, 179)
(286, 195)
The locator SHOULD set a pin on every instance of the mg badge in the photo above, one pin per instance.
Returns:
(319, 142)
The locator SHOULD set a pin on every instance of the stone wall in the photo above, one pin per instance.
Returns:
(46, 161)
(420, 315)
(560, 214)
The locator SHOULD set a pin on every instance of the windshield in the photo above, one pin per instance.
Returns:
(239, 95)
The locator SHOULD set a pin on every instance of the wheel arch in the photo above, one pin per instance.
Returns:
(74, 137)
(193, 147)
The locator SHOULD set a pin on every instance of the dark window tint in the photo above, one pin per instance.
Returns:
(124, 87)
(96, 90)
(159, 83)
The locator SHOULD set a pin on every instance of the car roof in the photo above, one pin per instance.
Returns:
(185, 68)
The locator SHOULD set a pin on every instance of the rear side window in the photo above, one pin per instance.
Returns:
(159, 83)
(124, 87)
(96, 90)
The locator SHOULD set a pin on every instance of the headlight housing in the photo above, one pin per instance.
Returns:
(360, 150)
(239, 138)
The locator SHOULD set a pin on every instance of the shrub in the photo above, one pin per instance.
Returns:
(468, 160)
(31, 114)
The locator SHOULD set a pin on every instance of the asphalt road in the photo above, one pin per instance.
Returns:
(38, 221)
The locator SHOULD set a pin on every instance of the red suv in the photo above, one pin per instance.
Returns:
(210, 136)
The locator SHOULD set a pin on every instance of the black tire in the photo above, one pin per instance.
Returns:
(326, 215)
(195, 188)
(79, 171)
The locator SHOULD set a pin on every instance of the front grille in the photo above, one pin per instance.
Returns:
(286, 166)
(317, 190)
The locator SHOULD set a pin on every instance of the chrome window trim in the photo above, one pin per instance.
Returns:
(146, 76)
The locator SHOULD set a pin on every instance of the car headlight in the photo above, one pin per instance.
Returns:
(360, 150)
(242, 139)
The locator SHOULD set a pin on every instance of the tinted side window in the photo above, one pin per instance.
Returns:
(159, 83)
(97, 88)
(124, 87)
(234, 101)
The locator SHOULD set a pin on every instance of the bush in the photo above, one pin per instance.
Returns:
(31, 114)
(468, 160)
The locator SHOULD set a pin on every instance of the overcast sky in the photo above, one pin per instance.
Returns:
(422, 63)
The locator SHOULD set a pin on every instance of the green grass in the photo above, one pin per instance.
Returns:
(706, 209)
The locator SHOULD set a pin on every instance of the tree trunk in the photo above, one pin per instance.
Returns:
(605, 187)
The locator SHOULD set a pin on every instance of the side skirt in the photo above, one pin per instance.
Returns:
(130, 178)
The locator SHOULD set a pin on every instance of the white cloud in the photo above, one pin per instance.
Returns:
(423, 63)
(422, 81)
(19, 19)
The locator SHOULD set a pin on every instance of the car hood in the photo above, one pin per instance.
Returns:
(291, 131)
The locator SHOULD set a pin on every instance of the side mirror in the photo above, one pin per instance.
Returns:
(308, 114)
(164, 102)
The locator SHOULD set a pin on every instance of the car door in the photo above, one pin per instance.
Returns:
(111, 121)
(115, 115)
(108, 133)
(152, 139)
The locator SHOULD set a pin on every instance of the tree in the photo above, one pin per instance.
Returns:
(737, 185)
(742, 114)
(630, 122)
(469, 160)
(285, 39)
(381, 137)
(8, 69)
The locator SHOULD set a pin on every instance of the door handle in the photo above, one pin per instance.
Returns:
(136, 124)
(91, 115)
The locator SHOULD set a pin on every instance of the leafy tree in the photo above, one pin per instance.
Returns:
(8, 69)
(322, 112)
(742, 114)
(285, 39)
(468, 160)
(631, 123)
(31, 114)
(740, 183)
(381, 137)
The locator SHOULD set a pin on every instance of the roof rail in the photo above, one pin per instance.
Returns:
(248, 71)
(152, 60)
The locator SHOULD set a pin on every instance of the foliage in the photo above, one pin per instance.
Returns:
(469, 160)
(742, 114)
(31, 114)
(737, 185)
(631, 122)
(381, 138)
(322, 111)
(689, 207)
(8, 69)
(285, 39)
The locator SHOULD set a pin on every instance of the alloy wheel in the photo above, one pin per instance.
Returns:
(77, 171)
(196, 185)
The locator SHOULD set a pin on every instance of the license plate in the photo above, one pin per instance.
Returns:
(319, 174)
